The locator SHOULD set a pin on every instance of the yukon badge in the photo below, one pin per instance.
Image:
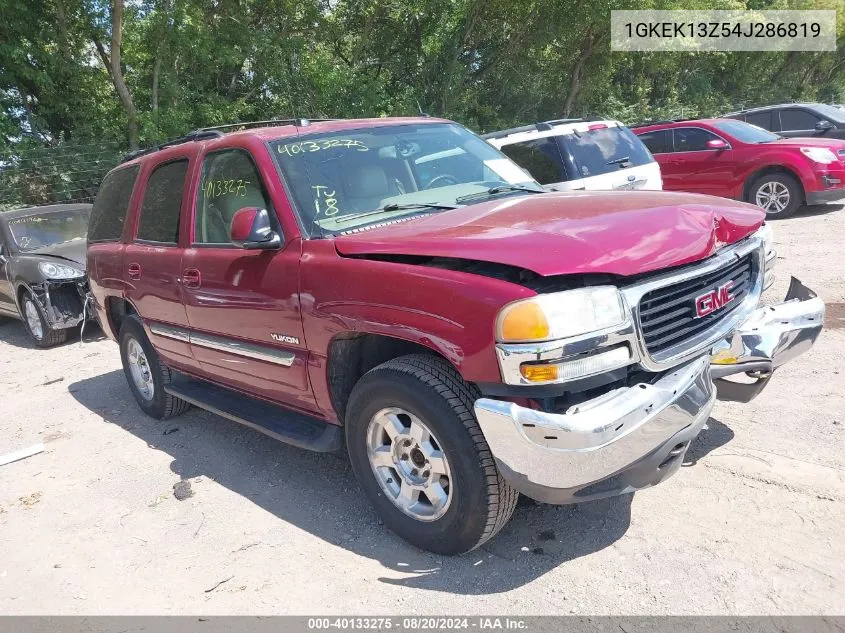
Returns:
(283, 338)
(712, 300)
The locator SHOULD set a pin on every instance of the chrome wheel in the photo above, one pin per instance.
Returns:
(33, 319)
(772, 197)
(409, 464)
(139, 369)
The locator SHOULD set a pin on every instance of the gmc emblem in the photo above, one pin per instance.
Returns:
(711, 301)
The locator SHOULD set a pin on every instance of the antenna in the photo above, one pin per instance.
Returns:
(419, 107)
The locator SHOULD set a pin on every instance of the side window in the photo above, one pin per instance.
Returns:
(541, 157)
(111, 205)
(760, 119)
(792, 119)
(692, 139)
(163, 203)
(230, 181)
(658, 142)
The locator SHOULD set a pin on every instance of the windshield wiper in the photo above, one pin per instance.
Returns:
(619, 161)
(395, 206)
(492, 191)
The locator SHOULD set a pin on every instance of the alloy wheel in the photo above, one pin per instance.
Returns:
(409, 464)
(773, 197)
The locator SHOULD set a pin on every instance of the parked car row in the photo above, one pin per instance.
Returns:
(401, 290)
(728, 157)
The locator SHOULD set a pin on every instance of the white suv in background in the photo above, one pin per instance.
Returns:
(575, 154)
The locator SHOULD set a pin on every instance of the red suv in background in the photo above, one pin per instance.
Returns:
(734, 159)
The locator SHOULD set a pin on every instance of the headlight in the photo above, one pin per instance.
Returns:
(819, 154)
(766, 234)
(560, 315)
(59, 271)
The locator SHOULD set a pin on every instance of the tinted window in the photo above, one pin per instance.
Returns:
(797, 120)
(162, 203)
(692, 139)
(111, 205)
(229, 182)
(541, 157)
(605, 150)
(657, 142)
(745, 132)
(761, 119)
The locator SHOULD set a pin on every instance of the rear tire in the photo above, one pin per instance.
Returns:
(435, 436)
(35, 323)
(778, 194)
(146, 374)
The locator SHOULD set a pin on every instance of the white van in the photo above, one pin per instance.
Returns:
(574, 154)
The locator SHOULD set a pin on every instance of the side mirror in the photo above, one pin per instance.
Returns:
(251, 229)
(717, 143)
(824, 125)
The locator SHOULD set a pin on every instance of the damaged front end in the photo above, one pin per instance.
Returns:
(65, 303)
(768, 338)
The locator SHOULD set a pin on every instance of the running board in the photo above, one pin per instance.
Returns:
(273, 420)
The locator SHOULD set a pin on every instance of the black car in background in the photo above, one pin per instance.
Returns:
(796, 119)
(42, 269)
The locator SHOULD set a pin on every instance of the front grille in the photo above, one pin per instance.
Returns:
(667, 315)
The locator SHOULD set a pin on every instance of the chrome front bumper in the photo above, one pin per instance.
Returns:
(635, 437)
(770, 337)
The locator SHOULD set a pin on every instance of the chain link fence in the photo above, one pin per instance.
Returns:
(64, 173)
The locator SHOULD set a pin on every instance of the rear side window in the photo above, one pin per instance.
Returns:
(797, 120)
(163, 203)
(541, 157)
(657, 142)
(606, 150)
(692, 139)
(760, 119)
(112, 205)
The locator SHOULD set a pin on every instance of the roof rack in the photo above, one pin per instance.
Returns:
(197, 135)
(216, 131)
(543, 126)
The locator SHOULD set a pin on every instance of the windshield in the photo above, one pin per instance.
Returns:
(37, 231)
(828, 111)
(606, 149)
(746, 132)
(342, 181)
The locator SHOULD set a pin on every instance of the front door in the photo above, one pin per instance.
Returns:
(697, 168)
(7, 298)
(243, 305)
(152, 263)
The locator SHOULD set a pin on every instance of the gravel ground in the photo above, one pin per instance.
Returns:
(753, 524)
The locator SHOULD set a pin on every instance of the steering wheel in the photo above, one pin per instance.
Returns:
(447, 179)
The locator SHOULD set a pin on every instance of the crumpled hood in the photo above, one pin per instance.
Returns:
(73, 251)
(622, 233)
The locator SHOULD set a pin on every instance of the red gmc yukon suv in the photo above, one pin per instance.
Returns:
(399, 288)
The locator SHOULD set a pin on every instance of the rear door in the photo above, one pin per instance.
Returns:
(698, 168)
(659, 143)
(243, 305)
(152, 261)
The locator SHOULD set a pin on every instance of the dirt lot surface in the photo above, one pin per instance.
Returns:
(752, 524)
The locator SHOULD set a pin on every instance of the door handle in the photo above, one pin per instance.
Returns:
(134, 271)
(191, 278)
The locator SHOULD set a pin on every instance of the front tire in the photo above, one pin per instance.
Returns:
(146, 374)
(778, 194)
(418, 452)
(36, 325)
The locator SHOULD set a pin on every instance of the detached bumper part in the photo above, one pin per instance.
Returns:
(624, 440)
(770, 337)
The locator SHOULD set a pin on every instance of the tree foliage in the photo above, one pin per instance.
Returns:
(84, 72)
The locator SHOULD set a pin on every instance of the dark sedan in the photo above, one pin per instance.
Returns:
(42, 269)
